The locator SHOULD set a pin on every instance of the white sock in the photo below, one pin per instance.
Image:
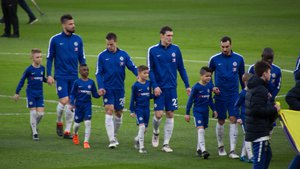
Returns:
(59, 111)
(69, 119)
(109, 125)
(76, 127)
(141, 135)
(233, 133)
(117, 124)
(248, 146)
(87, 132)
(243, 150)
(169, 126)
(156, 123)
(39, 117)
(220, 134)
(33, 121)
(201, 139)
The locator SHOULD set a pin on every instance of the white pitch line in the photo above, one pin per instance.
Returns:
(185, 60)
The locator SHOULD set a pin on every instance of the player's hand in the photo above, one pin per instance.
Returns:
(101, 92)
(277, 107)
(240, 121)
(269, 95)
(157, 91)
(16, 97)
(216, 90)
(215, 114)
(50, 80)
(187, 118)
(132, 115)
(188, 91)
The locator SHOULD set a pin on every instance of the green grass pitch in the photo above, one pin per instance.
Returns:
(198, 25)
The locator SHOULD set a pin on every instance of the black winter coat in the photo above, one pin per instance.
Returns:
(260, 113)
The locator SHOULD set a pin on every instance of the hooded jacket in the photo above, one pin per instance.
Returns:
(260, 113)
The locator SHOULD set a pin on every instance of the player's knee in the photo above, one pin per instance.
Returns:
(64, 100)
(41, 113)
(169, 114)
(87, 123)
(221, 122)
(119, 113)
(232, 119)
(158, 114)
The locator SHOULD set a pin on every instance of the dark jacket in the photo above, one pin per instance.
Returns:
(260, 113)
(293, 96)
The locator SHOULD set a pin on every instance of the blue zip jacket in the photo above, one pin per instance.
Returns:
(110, 70)
(228, 72)
(201, 97)
(82, 91)
(140, 96)
(275, 81)
(297, 69)
(163, 63)
(66, 51)
(35, 78)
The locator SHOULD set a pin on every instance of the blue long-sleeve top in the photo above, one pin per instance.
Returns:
(163, 63)
(275, 81)
(239, 105)
(201, 98)
(297, 69)
(110, 69)
(82, 91)
(66, 51)
(140, 96)
(228, 73)
(35, 77)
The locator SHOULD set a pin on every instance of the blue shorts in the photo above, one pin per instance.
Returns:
(35, 102)
(114, 97)
(167, 100)
(225, 105)
(64, 87)
(201, 119)
(83, 111)
(262, 154)
(142, 116)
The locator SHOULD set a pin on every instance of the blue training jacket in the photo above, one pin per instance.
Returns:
(275, 81)
(297, 68)
(66, 51)
(163, 63)
(110, 69)
(140, 96)
(35, 78)
(228, 73)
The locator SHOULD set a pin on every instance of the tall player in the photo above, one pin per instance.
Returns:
(229, 68)
(110, 74)
(164, 59)
(275, 81)
(66, 50)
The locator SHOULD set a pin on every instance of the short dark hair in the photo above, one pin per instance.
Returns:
(65, 17)
(142, 68)
(164, 29)
(111, 36)
(205, 69)
(35, 50)
(225, 39)
(83, 65)
(268, 52)
(260, 67)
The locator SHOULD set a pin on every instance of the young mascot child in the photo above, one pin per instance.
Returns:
(260, 115)
(83, 89)
(239, 107)
(201, 98)
(35, 75)
(140, 105)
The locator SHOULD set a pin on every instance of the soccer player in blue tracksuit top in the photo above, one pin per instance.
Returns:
(80, 97)
(140, 105)
(35, 75)
(240, 111)
(275, 81)
(164, 59)
(110, 74)
(201, 97)
(66, 49)
(229, 68)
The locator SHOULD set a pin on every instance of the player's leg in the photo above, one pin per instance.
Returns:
(141, 120)
(158, 112)
(260, 150)
(119, 103)
(268, 152)
(108, 100)
(233, 128)
(88, 124)
(40, 109)
(78, 118)
(171, 105)
(61, 86)
(221, 109)
(248, 147)
(31, 104)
